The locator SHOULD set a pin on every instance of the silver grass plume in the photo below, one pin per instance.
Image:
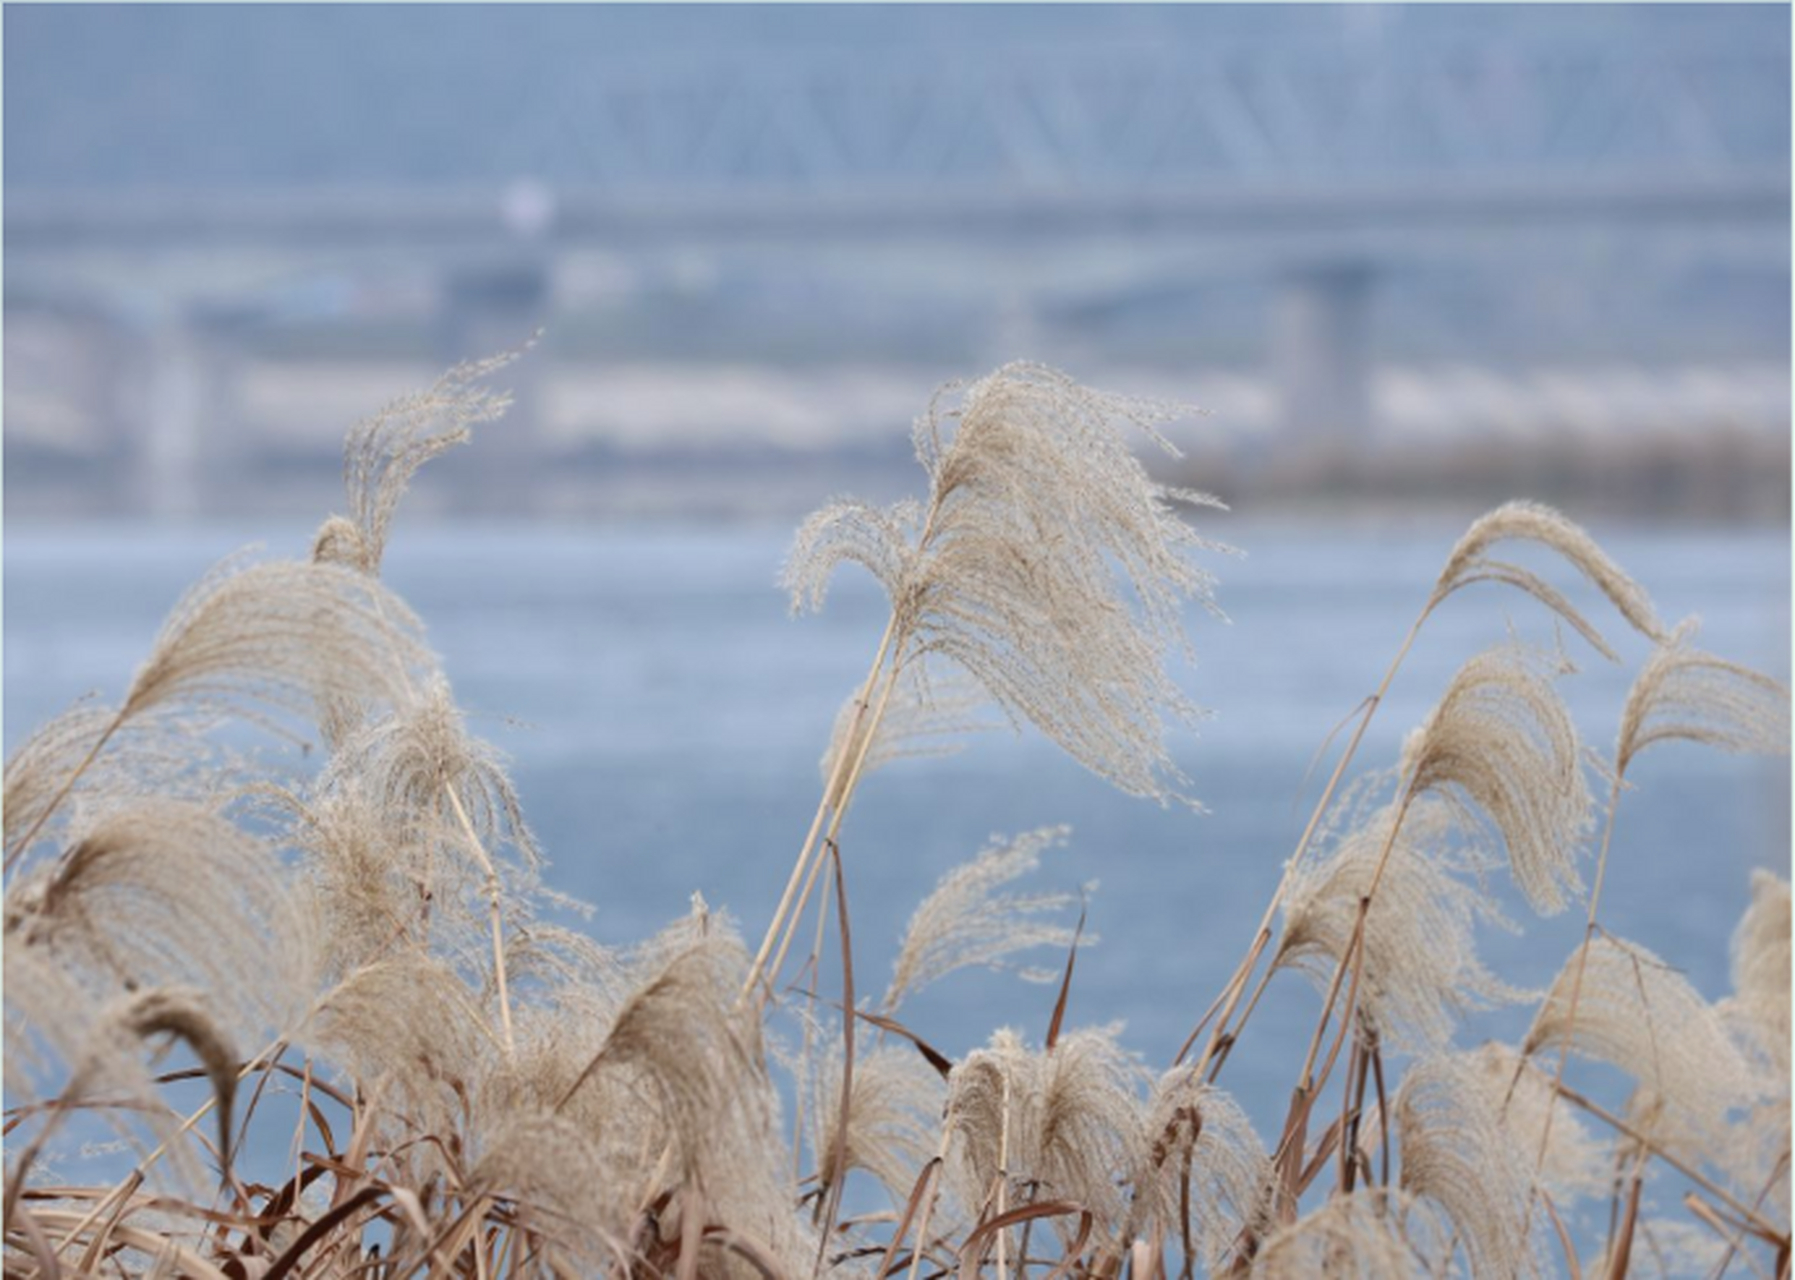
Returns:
(416, 774)
(280, 636)
(1761, 964)
(574, 1168)
(966, 921)
(1085, 1123)
(983, 1106)
(187, 1014)
(408, 1027)
(1534, 522)
(248, 641)
(1500, 741)
(1374, 1233)
(1458, 1153)
(1637, 1013)
(894, 1114)
(1684, 694)
(1758, 1015)
(1046, 563)
(1421, 971)
(409, 762)
(682, 1049)
(550, 962)
(42, 1039)
(924, 717)
(166, 753)
(164, 893)
(1058, 1124)
(383, 452)
(1576, 1164)
(560, 1029)
(367, 892)
(562, 1180)
(1197, 1137)
(680, 1072)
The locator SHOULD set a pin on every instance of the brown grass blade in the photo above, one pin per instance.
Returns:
(1059, 1005)
(935, 1058)
(972, 1253)
(834, 1162)
(911, 1206)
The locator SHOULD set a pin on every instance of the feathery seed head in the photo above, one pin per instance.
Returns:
(1762, 961)
(1757, 1013)
(163, 752)
(1046, 563)
(1198, 1138)
(1060, 1124)
(893, 1117)
(1374, 1233)
(1501, 741)
(383, 452)
(1458, 1153)
(1576, 1164)
(1683, 693)
(1534, 522)
(280, 636)
(681, 1044)
(165, 893)
(420, 766)
(966, 921)
(1637, 1013)
(1421, 971)
(923, 717)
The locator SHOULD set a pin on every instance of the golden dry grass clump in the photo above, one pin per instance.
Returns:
(413, 1070)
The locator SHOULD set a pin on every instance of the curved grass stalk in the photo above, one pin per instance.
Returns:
(803, 863)
(831, 840)
(1236, 985)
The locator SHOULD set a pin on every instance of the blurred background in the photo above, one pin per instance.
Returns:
(1411, 261)
(1394, 251)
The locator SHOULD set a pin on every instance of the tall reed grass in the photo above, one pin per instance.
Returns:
(358, 964)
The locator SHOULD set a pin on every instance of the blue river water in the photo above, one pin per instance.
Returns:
(664, 716)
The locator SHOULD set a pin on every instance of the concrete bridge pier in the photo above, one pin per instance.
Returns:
(189, 363)
(1321, 354)
(172, 379)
